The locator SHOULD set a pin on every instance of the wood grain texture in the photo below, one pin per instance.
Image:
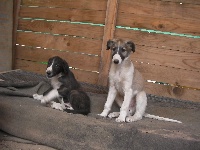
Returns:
(159, 15)
(82, 76)
(93, 16)
(176, 43)
(62, 28)
(71, 4)
(88, 46)
(163, 58)
(194, 2)
(159, 8)
(109, 29)
(186, 26)
(172, 92)
(75, 60)
(168, 58)
(169, 75)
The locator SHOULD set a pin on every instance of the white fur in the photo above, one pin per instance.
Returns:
(50, 68)
(55, 83)
(58, 106)
(37, 97)
(117, 56)
(53, 94)
(68, 105)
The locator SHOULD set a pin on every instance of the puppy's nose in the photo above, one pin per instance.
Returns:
(116, 61)
(48, 72)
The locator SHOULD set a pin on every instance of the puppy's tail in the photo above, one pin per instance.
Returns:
(160, 118)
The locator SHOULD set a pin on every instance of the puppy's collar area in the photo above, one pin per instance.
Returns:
(56, 76)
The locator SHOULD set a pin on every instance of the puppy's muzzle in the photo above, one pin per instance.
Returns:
(116, 61)
(48, 73)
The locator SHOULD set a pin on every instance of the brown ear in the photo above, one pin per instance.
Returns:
(109, 44)
(131, 45)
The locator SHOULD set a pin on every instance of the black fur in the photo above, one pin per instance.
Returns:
(109, 44)
(70, 89)
(131, 45)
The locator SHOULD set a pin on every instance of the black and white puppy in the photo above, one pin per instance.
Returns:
(65, 88)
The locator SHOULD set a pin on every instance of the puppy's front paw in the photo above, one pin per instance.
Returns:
(113, 115)
(120, 119)
(103, 114)
(43, 100)
(37, 97)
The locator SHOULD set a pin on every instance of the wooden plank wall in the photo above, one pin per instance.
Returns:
(166, 34)
(68, 29)
(167, 38)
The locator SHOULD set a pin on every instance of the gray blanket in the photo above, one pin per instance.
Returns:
(22, 116)
(23, 89)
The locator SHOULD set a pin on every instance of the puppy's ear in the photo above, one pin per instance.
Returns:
(65, 67)
(109, 44)
(131, 45)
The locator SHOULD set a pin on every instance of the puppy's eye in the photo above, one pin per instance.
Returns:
(57, 65)
(114, 48)
(123, 49)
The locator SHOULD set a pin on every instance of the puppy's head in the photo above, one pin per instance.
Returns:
(121, 49)
(55, 66)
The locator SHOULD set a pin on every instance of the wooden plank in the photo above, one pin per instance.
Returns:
(194, 2)
(74, 60)
(77, 4)
(168, 58)
(67, 43)
(62, 28)
(109, 29)
(159, 8)
(63, 14)
(82, 76)
(165, 16)
(169, 75)
(172, 92)
(168, 42)
(184, 26)
(6, 26)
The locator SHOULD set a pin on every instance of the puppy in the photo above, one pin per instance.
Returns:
(126, 85)
(65, 88)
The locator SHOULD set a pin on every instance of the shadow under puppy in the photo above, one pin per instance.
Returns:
(65, 88)
(126, 85)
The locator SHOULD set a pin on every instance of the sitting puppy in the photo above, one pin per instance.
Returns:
(126, 85)
(65, 88)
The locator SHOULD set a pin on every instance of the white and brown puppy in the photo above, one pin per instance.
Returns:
(126, 85)
(65, 88)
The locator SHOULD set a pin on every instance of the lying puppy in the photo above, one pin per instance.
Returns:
(65, 88)
(126, 85)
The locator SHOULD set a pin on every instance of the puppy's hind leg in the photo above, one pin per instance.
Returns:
(141, 103)
(59, 106)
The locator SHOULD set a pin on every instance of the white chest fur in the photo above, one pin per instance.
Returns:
(121, 76)
(55, 83)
